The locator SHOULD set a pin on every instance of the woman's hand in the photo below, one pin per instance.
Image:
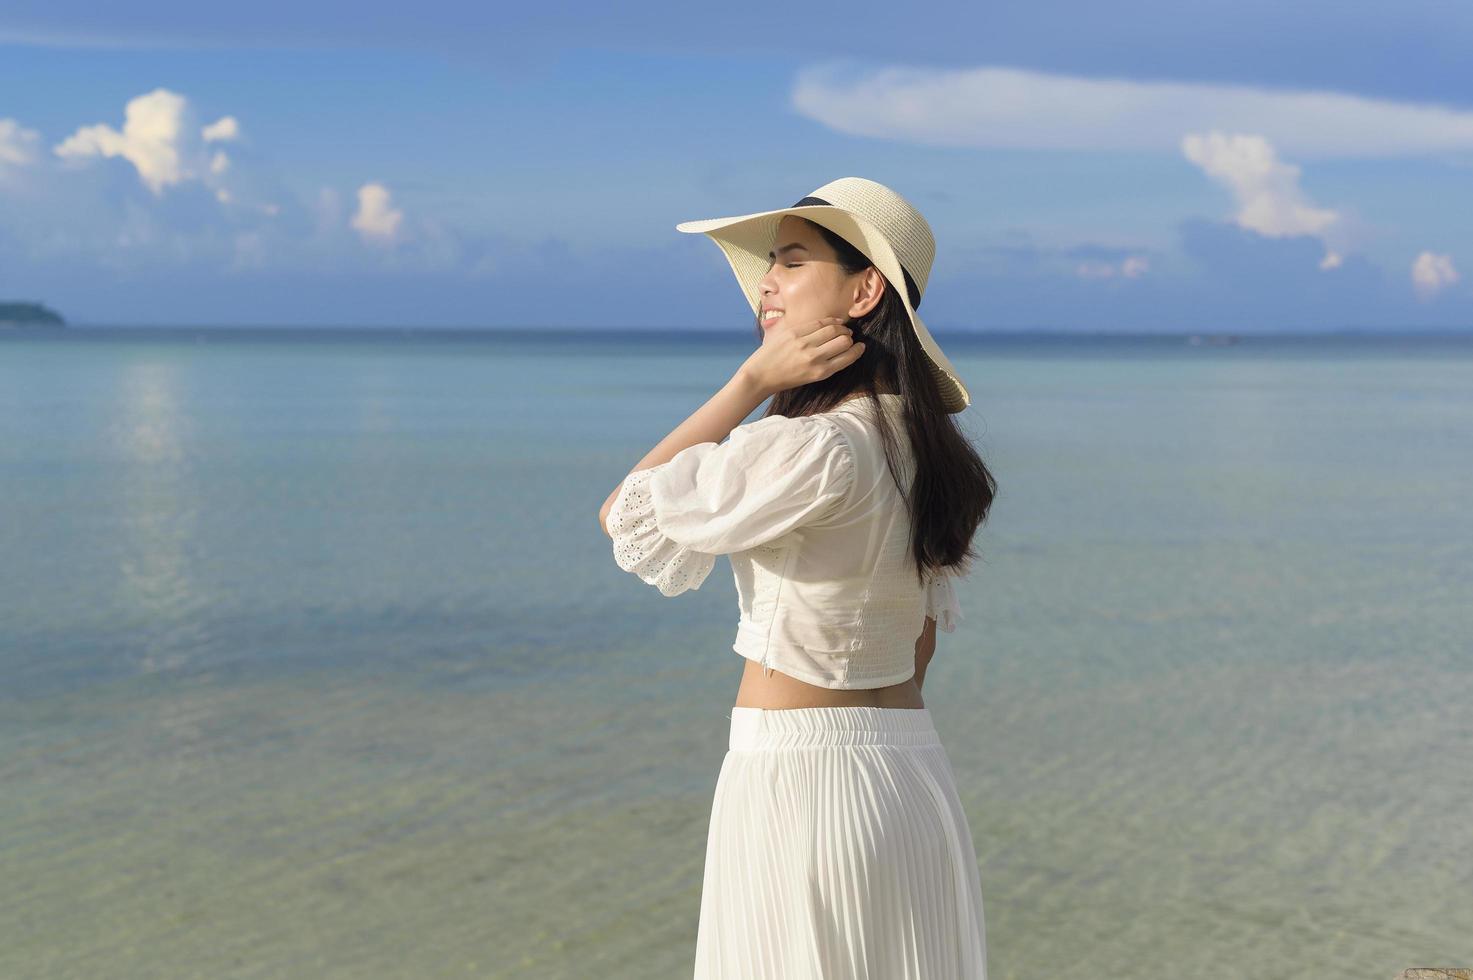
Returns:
(800, 354)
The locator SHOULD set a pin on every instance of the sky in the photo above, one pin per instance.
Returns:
(1136, 166)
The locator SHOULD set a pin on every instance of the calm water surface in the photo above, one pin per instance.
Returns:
(317, 663)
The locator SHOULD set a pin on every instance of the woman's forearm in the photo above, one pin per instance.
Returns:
(712, 422)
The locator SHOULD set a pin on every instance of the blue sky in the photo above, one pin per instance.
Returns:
(1133, 166)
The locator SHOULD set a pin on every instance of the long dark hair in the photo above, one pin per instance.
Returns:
(952, 489)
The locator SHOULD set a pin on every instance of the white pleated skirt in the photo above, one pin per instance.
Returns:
(838, 850)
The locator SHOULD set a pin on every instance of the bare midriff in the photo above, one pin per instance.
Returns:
(761, 689)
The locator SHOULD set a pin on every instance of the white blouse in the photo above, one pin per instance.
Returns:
(817, 535)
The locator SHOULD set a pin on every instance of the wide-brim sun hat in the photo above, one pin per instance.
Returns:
(874, 219)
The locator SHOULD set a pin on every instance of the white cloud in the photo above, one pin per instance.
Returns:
(17, 144)
(166, 147)
(222, 129)
(1006, 107)
(1431, 273)
(1270, 200)
(376, 220)
(1269, 197)
(1131, 267)
(153, 138)
(202, 203)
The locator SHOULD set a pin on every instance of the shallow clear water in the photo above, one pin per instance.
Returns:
(317, 662)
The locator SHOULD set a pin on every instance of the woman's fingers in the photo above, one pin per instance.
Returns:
(841, 351)
(826, 327)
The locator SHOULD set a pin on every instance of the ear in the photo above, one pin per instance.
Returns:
(867, 294)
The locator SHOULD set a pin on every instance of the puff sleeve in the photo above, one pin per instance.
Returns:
(941, 603)
(769, 477)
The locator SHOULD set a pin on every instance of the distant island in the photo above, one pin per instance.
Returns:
(29, 315)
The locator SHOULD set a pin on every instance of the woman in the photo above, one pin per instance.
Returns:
(837, 846)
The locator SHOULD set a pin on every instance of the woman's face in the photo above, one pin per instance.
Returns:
(804, 282)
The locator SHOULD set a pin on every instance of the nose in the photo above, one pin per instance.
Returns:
(765, 285)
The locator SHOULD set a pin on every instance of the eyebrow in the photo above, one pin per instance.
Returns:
(788, 248)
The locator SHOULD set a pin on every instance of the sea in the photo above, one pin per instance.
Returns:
(316, 661)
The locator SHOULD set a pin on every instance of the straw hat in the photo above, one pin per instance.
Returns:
(871, 217)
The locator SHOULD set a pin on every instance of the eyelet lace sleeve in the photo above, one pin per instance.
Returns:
(641, 548)
(941, 603)
(768, 478)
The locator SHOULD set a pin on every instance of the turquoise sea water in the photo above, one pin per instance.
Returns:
(317, 664)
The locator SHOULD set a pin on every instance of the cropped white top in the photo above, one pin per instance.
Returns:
(817, 534)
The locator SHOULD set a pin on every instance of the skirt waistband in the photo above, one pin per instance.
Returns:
(777, 728)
